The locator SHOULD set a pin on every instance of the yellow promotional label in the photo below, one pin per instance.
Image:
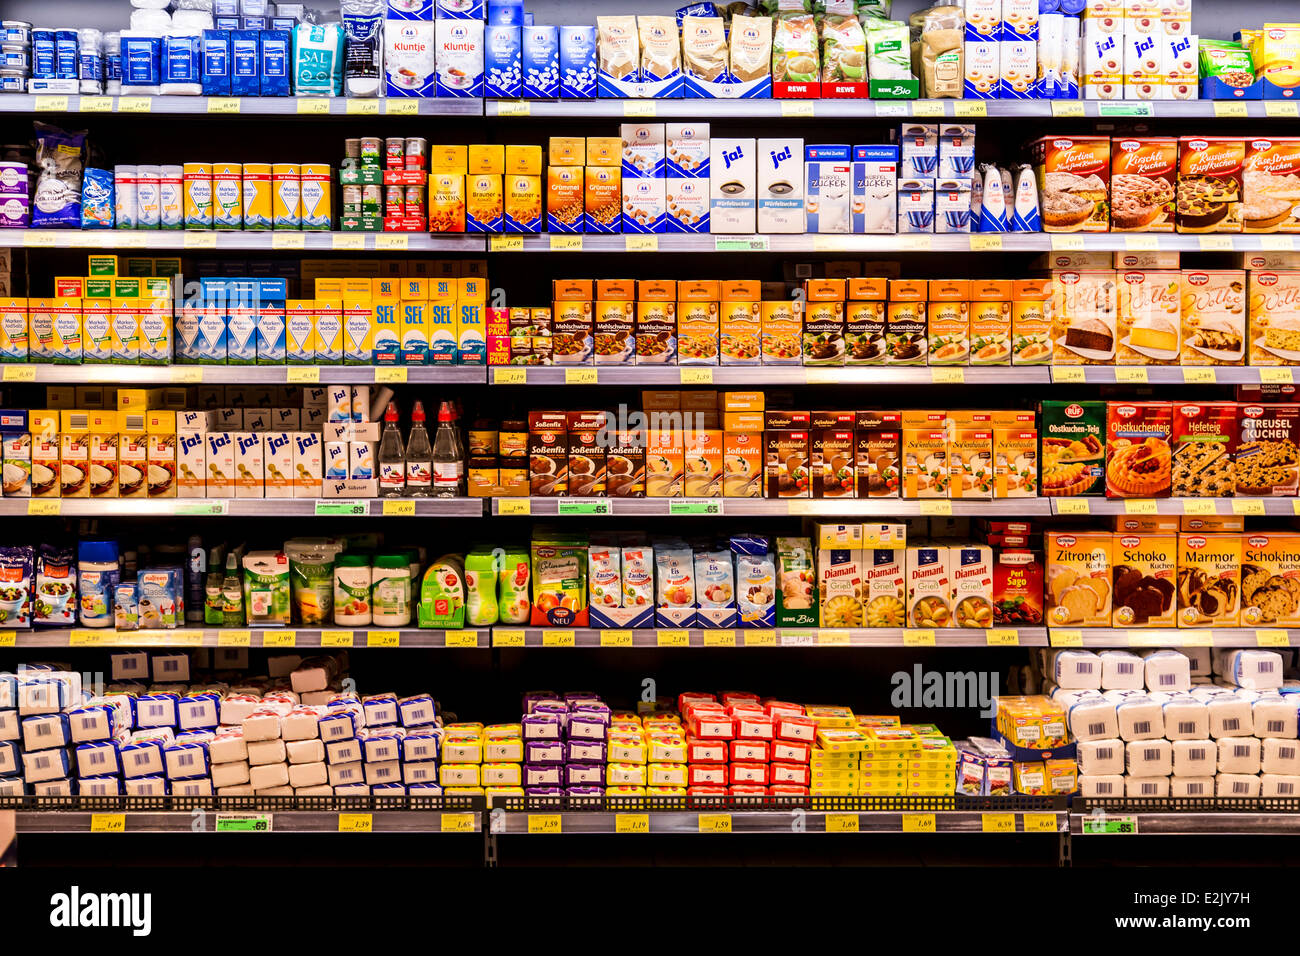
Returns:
(356, 822)
(234, 639)
(1038, 822)
(108, 823)
(998, 822)
(543, 823)
(632, 823)
(715, 823)
(619, 638)
(457, 823)
(1065, 638)
(502, 637)
(919, 823)
(336, 638)
(842, 823)
(915, 637)
(383, 639)
(719, 638)
(557, 638)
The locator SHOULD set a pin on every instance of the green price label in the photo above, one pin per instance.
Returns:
(336, 508)
(695, 507)
(745, 244)
(243, 823)
(583, 508)
(1119, 108)
(1109, 824)
(201, 508)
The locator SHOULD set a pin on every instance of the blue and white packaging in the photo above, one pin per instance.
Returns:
(340, 725)
(45, 765)
(141, 62)
(919, 156)
(455, 9)
(687, 202)
(780, 186)
(459, 49)
(956, 151)
(254, 23)
(10, 758)
(199, 711)
(92, 722)
(410, 10)
(215, 63)
(417, 711)
(644, 150)
(184, 760)
(952, 205)
(151, 785)
(875, 192)
(318, 59)
(99, 786)
(503, 61)
(380, 709)
(915, 205)
(182, 65)
(993, 200)
(196, 787)
(98, 759)
(660, 75)
(225, 23)
(156, 710)
(421, 744)
(45, 731)
(1018, 20)
(39, 695)
(541, 62)
(1025, 215)
(686, 151)
(245, 63)
(828, 188)
(579, 63)
(61, 787)
(276, 55)
(9, 725)
(644, 205)
(98, 201)
(505, 13)
(410, 61)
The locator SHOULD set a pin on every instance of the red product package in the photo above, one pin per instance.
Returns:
(790, 773)
(706, 751)
(754, 751)
(746, 709)
(739, 696)
(688, 697)
(1017, 587)
(754, 727)
(712, 726)
(748, 790)
(791, 751)
(782, 708)
(706, 792)
(787, 790)
(1138, 450)
(796, 728)
(706, 774)
(749, 773)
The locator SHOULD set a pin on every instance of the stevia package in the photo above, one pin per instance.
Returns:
(59, 159)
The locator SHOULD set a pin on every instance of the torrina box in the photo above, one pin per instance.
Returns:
(1209, 580)
(1213, 317)
(1078, 578)
(1149, 317)
(1270, 578)
(1209, 191)
(1143, 174)
(1085, 304)
(1274, 317)
(1267, 462)
(1204, 442)
(1137, 449)
(1271, 184)
(1072, 449)
(1073, 182)
(1143, 571)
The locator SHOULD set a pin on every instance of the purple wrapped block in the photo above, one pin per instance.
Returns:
(541, 727)
(584, 751)
(588, 726)
(585, 791)
(543, 792)
(583, 774)
(543, 776)
(544, 752)
(533, 696)
(15, 212)
(13, 179)
(580, 697)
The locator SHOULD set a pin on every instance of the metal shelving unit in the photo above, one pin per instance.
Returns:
(246, 374)
(269, 638)
(686, 375)
(769, 637)
(883, 507)
(244, 507)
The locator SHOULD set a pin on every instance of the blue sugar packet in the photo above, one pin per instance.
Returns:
(97, 199)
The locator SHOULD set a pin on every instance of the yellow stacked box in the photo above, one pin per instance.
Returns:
(665, 758)
(911, 760)
(503, 758)
(462, 759)
(626, 757)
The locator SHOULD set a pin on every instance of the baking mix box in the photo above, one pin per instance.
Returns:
(1138, 451)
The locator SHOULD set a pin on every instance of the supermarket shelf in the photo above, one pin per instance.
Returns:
(764, 375)
(1117, 637)
(270, 638)
(243, 507)
(245, 374)
(775, 821)
(283, 106)
(1175, 506)
(1169, 375)
(286, 241)
(1210, 816)
(885, 507)
(282, 821)
(769, 637)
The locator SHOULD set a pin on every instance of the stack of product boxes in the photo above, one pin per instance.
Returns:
(934, 180)
(584, 188)
(1014, 52)
(1034, 730)
(242, 56)
(644, 174)
(565, 746)
(503, 756)
(436, 47)
(1139, 49)
(740, 745)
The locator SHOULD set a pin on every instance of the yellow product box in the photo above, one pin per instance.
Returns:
(486, 158)
(358, 331)
(1078, 578)
(14, 330)
(332, 287)
(872, 720)
(128, 288)
(948, 322)
(503, 750)
(499, 731)
(446, 201)
(990, 321)
(155, 330)
(101, 264)
(44, 427)
(522, 202)
(160, 434)
(66, 321)
(459, 775)
(415, 289)
(1036, 722)
(484, 202)
(327, 332)
(1209, 576)
(357, 286)
(471, 337)
(888, 740)
(830, 717)
(523, 160)
(502, 774)
(299, 331)
(838, 536)
(925, 454)
(124, 329)
(604, 151)
(415, 326)
(567, 151)
(74, 454)
(1144, 582)
(1062, 776)
(471, 289)
(602, 202)
(103, 454)
(453, 158)
(1030, 777)
(97, 330)
(388, 287)
(1276, 54)
(782, 332)
(133, 456)
(1270, 579)
(970, 454)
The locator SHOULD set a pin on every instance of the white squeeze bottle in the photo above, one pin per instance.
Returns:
(392, 459)
(448, 464)
(419, 457)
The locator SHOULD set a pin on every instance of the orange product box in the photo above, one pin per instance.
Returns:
(1138, 451)
(1078, 578)
(656, 332)
(1269, 588)
(602, 198)
(697, 330)
(1143, 179)
(571, 338)
(948, 321)
(925, 454)
(564, 198)
(1213, 316)
(782, 324)
(1073, 182)
(1210, 183)
(990, 322)
(743, 401)
(1144, 579)
(970, 454)
(656, 290)
(664, 462)
(615, 338)
(742, 463)
(702, 455)
(1031, 321)
(740, 322)
(1149, 317)
(1209, 572)
(1015, 454)
(1274, 317)
(572, 290)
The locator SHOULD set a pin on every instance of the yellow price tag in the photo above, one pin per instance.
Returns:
(399, 509)
(337, 638)
(39, 238)
(1199, 506)
(617, 638)
(8, 638)
(1277, 243)
(1130, 375)
(392, 241)
(503, 637)
(84, 637)
(391, 375)
(1149, 639)
(96, 104)
(461, 639)
(397, 106)
(108, 823)
(565, 243)
(641, 243)
(44, 506)
(1199, 376)
(1038, 822)
(1141, 243)
(719, 638)
(798, 108)
(223, 104)
(919, 823)
(357, 107)
(918, 637)
(940, 506)
(1002, 638)
(696, 376)
(1068, 638)
(1071, 374)
(842, 823)
(985, 242)
(234, 638)
(513, 506)
(383, 639)
(185, 638)
(1295, 506)
(999, 822)
(457, 823)
(288, 240)
(797, 507)
(513, 108)
(356, 822)
(310, 106)
(200, 240)
(1067, 108)
(1140, 506)
(1247, 506)
(1278, 108)
(759, 638)
(348, 240)
(505, 243)
(927, 107)
(1230, 109)
(185, 375)
(638, 107)
(304, 375)
(51, 104)
(1071, 506)
(631, 823)
(1275, 376)
(557, 639)
(1272, 638)
(279, 638)
(1062, 242)
(833, 637)
(135, 104)
(580, 376)
(973, 108)
(1216, 243)
(715, 823)
(914, 244)
(509, 376)
(19, 373)
(543, 823)
(947, 376)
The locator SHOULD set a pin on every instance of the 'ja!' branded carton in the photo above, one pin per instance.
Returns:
(780, 185)
(732, 185)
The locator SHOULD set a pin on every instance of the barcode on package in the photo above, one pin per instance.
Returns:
(1083, 667)
(140, 759)
(1275, 726)
(96, 757)
(1151, 753)
(1187, 727)
(1104, 753)
(1285, 789)
(1231, 723)
(157, 710)
(42, 763)
(185, 760)
(1197, 754)
(1124, 667)
(1195, 789)
(1097, 728)
(1241, 786)
(1286, 753)
(1142, 727)
(1264, 667)
(1150, 789)
(43, 730)
(1105, 787)
(1241, 751)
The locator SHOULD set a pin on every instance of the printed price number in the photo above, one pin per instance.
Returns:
(616, 638)
(631, 823)
(714, 823)
(1130, 375)
(833, 637)
(1038, 822)
(1199, 376)
(358, 107)
(383, 639)
(310, 106)
(998, 822)
(401, 107)
(1002, 638)
(288, 240)
(580, 376)
(135, 104)
(8, 638)
(695, 507)
(1067, 108)
(1067, 638)
(1247, 506)
(513, 506)
(641, 244)
(337, 639)
(971, 108)
(1141, 243)
(513, 108)
(1230, 109)
(1069, 374)
(44, 506)
(457, 823)
(1107, 824)
(344, 508)
(391, 375)
(185, 375)
(760, 638)
(51, 104)
(557, 638)
(1275, 376)
(566, 243)
(279, 638)
(697, 376)
(1215, 243)
(920, 823)
(302, 376)
(1071, 506)
(392, 242)
(96, 104)
(1199, 506)
(234, 639)
(243, 823)
(347, 240)
(639, 108)
(20, 373)
(356, 822)
(108, 823)
(399, 509)
(200, 240)
(674, 638)
(719, 638)
(503, 637)
(506, 243)
(947, 376)
(223, 104)
(842, 823)
(544, 823)
(927, 108)
(597, 507)
(914, 637)
(1140, 506)
(798, 108)
(461, 639)
(1272, 638)
(985, 243)
(1279, 108)
(939, 507)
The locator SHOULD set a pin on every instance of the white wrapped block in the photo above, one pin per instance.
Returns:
(384, 772)
(305, 751)
(1230, 716)
(1236, 785)
(262, 724)
(342, 751)
(1195, 758)
(282, 665)
(45, 765)
(142, 759)
(268, 775)
(9, 725)
(342, 724)
(321, 790)
(1121, 670)
(1207, 692)
(156, 710)
(313, 675)
(1254, 669)
(316, 698)
(1076, 670)
(96, 787)
(307, 775)
(1140, 718)
(13, 787)
(46, 731)
(301, 723)
(274, 792)
(377, 749)
(228, 746)
(1279, 785)
(146, 787)
(235, 790)
(98, 759)
(1191, 786)
(1101, 757)
(1186, 718)
(1146, 786)
(171, 667)
(53, 788)
(1101, 785)
(196, 787)
(1149, 758)
(235, 707)
(380, 709)
(1093, 718)
(229, 774)
(279, 702)
(1239, 755)
(1279, 756)
(1167, 670)
(186, 760)
(37, 694)
(1275, 716)
(1119, 695)
(346, 774)
(424, 771)
(129, 665)
(265, 751)
(351, 790)
(1199, 659)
